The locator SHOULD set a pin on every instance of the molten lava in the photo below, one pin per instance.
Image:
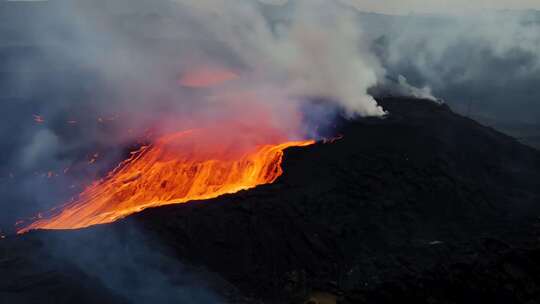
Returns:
(181, 167)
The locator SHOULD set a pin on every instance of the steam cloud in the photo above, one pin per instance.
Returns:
(484, 65)
(102, 75)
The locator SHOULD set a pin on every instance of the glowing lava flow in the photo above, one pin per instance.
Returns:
(177, 168)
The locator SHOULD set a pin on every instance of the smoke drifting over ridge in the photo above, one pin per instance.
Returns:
(116, 71)
(84, 80)
(87, 80)
(484, 64)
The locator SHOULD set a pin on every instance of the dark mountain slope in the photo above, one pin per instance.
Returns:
(424, 205)
(347, 212)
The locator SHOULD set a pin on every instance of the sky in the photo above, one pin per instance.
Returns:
(434, 6)
(425, 6)
(438, 6)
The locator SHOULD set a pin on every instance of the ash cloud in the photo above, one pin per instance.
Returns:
(105, 75)
(135, 267)
(483, 64)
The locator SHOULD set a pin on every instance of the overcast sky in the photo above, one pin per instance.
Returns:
(434, 6)
(424, 6)
(406, 6)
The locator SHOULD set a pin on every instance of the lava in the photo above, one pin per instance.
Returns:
(177, 168)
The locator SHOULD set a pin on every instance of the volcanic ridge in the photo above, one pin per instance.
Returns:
(423, 205)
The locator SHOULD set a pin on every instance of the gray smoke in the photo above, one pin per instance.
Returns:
(135, 267)
(103, 76)
(83, 80)
(484, 65)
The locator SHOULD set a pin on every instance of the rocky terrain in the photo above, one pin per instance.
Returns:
(424, 205)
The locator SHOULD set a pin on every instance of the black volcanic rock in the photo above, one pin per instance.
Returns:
(423, 205)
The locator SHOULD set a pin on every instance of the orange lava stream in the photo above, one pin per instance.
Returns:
(177, 168)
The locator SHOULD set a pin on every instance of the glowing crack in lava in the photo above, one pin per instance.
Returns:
(180, 167)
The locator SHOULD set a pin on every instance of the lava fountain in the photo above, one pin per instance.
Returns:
(179, 167)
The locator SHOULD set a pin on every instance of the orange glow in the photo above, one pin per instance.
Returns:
(191, 165)
(38, 119)
(206, 77)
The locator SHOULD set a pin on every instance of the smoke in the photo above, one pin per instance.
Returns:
(103, 76)
(484, 65)
(82, 82)
(89, 79)
(130, 265)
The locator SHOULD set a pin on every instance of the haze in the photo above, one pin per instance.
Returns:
(434, 6)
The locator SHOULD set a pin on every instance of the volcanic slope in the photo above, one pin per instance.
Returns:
(424, 205)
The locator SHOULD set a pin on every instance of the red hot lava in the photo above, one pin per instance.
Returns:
(179, 167)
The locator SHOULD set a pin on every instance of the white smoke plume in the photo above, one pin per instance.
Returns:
(484, 64)
(317, 50)
(106, 75)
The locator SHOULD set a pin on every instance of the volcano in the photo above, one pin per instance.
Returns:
(423, 205)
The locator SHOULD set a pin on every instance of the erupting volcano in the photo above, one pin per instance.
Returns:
(184, 166)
